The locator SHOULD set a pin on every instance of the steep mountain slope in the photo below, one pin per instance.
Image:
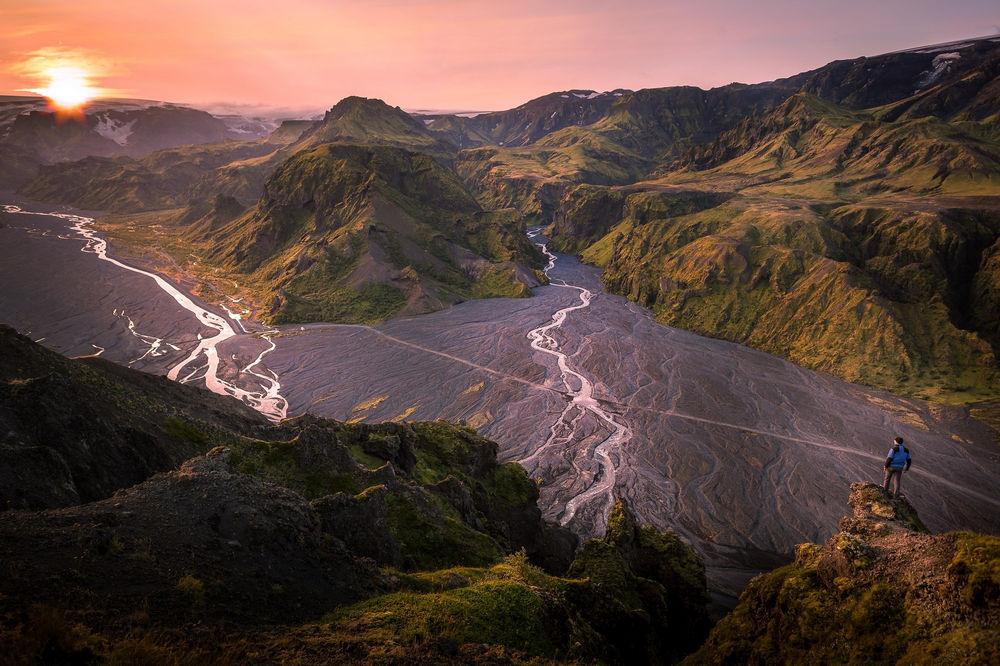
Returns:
(839, 239)
(315, 540)
(956, 76)
(809, 141)
(359, 233)
(622, 146)
(882, 591)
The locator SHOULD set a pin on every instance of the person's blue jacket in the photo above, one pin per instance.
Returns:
(898, 457)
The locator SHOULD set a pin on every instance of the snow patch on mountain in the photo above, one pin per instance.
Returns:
(116, 130)
(939, 67)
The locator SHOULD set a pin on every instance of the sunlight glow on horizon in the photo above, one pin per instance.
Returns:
(67, 78)
(69, 88)
(449, 54)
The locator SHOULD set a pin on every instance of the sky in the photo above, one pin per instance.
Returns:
(446, 54)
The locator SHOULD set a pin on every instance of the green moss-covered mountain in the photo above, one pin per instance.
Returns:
(882, 591)
(860, 242)
(373, 122)
(358, 217)
(849, 244)
(310, 540)
(354, 233)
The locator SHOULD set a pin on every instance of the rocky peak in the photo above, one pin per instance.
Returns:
(653, 571)
(360, 107)
(875, 512)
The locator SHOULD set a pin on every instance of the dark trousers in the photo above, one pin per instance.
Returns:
(894, 475)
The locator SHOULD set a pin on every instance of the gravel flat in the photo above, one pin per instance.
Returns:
(742, 453)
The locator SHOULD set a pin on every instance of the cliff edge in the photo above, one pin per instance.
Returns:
(881, 591)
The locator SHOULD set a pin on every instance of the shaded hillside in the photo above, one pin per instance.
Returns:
(526, 123)
(637, 131)
(948, 81)
(76, 431)
(660, 122)
(818, 149)
(318, 540)
(881, 591)
(360, 233)
(107, 130)
(164, 179)
(533, 178)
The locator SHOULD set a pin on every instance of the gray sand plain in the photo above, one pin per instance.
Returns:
(742, 453)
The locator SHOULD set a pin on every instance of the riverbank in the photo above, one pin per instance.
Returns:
(58, 294)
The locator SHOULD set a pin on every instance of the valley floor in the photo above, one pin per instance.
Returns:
(742, 453)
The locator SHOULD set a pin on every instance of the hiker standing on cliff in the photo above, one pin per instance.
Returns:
(896, 462)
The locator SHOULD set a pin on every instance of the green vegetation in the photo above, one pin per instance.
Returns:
(193, 591)
(939, 594)
(185, 431)
(846, 244)
(371, 304)
(429, 540)
(502, 606)
(976, 569)
(277, 462)
(835, 623)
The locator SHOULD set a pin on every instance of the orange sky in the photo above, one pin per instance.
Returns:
(446, 54)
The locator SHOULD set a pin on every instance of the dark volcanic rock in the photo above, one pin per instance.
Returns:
(396, 447)
(459, 497)
(361, 522)
(199, 538)
(655, 572)
(76, 431)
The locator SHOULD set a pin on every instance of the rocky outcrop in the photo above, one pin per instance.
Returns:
(654, 572)
(940, 594)
(361, 522)
(199, 539)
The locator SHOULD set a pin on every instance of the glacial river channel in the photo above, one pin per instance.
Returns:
(741, 453)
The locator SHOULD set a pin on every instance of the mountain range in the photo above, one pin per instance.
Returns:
(844, 218)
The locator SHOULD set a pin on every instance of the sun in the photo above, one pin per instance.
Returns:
(69, 88)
